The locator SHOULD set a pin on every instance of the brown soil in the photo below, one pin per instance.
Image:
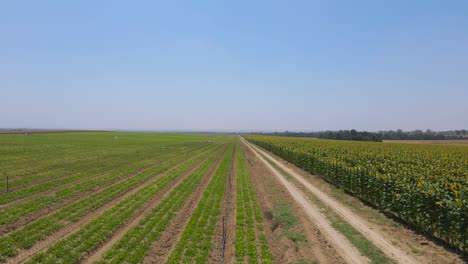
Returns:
(418, 247)
(222, 247)
(139, 215)
(269, 189)
(72, 227)
(164, 245)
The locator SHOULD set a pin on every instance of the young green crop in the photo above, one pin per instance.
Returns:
(88, 237)
(38, 230)
(195, 242)
(13, 213)
(249, 221)
(133, 247)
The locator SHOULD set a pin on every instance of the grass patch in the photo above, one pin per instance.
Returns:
(283, 214)
(293, 236)
(306, 262)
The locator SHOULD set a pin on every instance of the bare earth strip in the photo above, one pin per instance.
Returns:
(268, 189)
(356, 221)
(70, 228)
(349, 253)
(164, 245)
(222, 247)
(140, 214)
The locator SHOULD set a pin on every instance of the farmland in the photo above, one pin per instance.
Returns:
(113, 197)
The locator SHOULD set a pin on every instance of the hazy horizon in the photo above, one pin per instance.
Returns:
(240, 66)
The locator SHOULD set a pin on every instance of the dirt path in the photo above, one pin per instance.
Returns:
(69, 228)
(356, 221)
(140, 214)
(222, 247)
(349, 253)
(268, 190)
(420, 247)
(164, 245)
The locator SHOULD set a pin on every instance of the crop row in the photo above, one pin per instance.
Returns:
(76, 166)
(38, 230)
(249, 220)
(13, 213)
(133, 247)
(426, 186)
(93, 234)
(195, 243)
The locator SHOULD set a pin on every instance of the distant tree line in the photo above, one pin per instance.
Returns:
(377, 136)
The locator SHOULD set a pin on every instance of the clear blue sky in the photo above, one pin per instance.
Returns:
(234, 65)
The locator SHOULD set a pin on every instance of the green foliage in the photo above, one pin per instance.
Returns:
(249, 222)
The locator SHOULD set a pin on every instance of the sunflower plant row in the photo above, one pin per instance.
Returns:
(424, 185)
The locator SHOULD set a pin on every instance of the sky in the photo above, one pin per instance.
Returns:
(234, 65)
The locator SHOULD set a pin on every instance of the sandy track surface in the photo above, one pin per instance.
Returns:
(349, 253)
(70, 228)
(315, 248)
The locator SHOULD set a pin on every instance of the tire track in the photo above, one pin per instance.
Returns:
(69, 228)
(164, 245)
(356, 221)
(349, 253)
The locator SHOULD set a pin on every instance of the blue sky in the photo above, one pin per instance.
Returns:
(234, 65)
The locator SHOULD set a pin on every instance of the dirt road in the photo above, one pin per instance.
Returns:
(356, 221)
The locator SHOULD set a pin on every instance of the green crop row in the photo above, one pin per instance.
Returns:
(249, 221)
(195, 243)
(13, 213)
(41, 228)
(93, 234)
(133, 247)
(424, 185)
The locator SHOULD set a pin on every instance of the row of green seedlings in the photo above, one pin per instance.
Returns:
(195, 242)
(65, 169)
(90, 236)
(134, 246)
(53, 176)
(38, 230)
(45, 169)
(57, 159)
(13, 213)
(45, 159)
(249, 220)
